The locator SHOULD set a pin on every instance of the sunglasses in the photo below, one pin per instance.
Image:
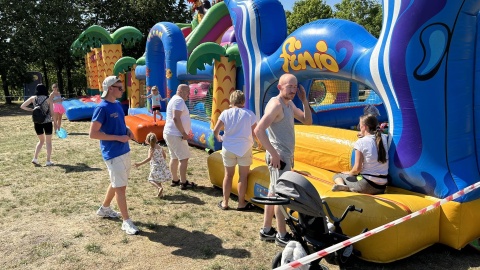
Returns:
(118, 87)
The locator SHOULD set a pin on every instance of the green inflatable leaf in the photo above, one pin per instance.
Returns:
(204, 54)
(123, 65)
(127, 35)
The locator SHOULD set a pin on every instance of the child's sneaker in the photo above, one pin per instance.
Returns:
(268, 236)
(129, 227)
(49, 163)
(35, 161)
(107, 212)
(283, 241)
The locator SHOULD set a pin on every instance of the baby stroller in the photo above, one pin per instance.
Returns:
(310, 226)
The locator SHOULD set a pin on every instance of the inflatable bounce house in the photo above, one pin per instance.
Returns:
(423, 67)
(206, 56)
(103, 56)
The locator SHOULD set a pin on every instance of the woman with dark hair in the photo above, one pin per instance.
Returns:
(43, 130)
(369, 172)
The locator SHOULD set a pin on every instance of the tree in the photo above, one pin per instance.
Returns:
(58, 24)
(367, 13)
(305, 11)
(15, 52)
(141, 14)
(37, 35)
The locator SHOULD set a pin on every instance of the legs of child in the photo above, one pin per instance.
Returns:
(160, 116)
(159, 188)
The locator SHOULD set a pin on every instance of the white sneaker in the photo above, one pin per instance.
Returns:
(35, 161)
(129, 227)
(49, 163)
(107, 212)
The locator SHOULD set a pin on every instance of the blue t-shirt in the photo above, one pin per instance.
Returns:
(112, 118)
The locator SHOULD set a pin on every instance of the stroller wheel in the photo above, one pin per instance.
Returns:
(277, 260)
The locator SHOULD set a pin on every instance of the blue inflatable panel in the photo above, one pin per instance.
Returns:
(134, 111)
(78, 110)
(202, 75)
(141, 72)
(203, 136)
(345, 115)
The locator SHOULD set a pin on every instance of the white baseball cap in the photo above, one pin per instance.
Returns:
(109, 81)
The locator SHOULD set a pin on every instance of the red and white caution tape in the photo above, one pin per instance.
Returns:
(324, 252)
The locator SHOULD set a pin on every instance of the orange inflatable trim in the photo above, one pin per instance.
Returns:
(142, 124)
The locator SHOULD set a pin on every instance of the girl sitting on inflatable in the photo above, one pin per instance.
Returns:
(369, 173)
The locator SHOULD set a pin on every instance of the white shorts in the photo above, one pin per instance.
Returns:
(119, 170)
(230, 159)
(177, 148)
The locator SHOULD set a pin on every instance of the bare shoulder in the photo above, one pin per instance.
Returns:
(273, 106)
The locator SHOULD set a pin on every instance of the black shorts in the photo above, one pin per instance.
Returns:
(155, 108)
(46, 128)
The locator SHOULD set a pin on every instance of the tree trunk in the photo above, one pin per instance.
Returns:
(8, 99)
(45, 72)
(69, 82)
(60, 79)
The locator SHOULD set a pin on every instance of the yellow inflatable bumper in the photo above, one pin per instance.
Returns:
(321, 152)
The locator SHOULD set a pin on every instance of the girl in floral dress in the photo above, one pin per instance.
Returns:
(159, 171)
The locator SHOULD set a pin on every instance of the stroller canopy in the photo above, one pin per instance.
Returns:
(303, 196)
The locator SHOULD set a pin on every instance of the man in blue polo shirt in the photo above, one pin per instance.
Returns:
(108, 126)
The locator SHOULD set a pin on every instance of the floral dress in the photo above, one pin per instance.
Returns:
(159, 171)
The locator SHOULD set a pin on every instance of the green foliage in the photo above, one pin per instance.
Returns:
(367, 13)
(204, 54)
(305, 11)
(37, 36)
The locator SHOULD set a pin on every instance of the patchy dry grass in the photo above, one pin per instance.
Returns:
(48, 221)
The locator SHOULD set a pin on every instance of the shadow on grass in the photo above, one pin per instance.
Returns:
(215, 191)
(78, 134)
(182, 199)
(195, 244)
(79, 167)
(12, 110)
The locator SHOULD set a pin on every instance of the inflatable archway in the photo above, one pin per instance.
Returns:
(423, 66)
(164, 39)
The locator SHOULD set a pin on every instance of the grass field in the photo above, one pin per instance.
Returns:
(48, 221)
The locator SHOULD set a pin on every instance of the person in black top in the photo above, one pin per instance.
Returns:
(43, 130)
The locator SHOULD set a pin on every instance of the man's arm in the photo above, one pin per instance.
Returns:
(304, 116)
(95, 133)
(178, 123)
(271, 112)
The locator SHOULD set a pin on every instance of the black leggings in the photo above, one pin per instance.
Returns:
(45, 127)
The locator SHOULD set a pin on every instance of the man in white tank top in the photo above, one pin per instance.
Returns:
(280, 142)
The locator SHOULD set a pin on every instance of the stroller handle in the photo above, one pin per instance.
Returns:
(270, 200)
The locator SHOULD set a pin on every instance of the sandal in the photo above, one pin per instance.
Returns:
(247, 207)
(219, 204)
(187, 184)
(175, 183)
